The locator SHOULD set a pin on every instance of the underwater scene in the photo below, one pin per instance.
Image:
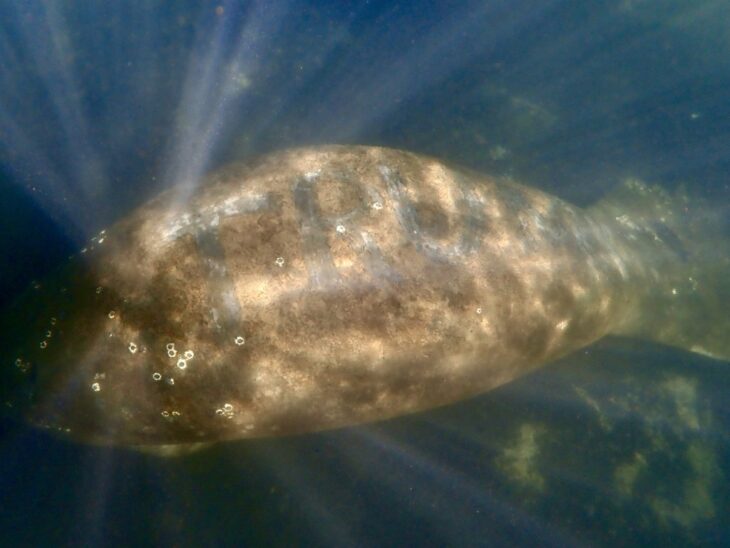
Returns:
(321, 273)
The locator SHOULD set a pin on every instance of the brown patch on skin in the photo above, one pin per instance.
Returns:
(337, 196)
(462, 293)
(559, 301)
(173, 298)
(432, 219)
(507, 282)
(256, 230)
(507, 291)
(532, 339)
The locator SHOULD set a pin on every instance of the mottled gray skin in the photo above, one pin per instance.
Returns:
(318, 288)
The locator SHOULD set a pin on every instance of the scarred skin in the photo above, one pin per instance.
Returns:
(317, 288)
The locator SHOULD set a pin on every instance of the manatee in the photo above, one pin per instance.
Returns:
(317, 288)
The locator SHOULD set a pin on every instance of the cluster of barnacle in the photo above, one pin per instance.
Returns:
(226, 411)
(184, 358)
(170, 414)
(23, 365)
(182, 361)
(96, 385)
(47, 335)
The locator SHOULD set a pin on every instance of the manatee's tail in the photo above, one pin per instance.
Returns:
(688, 240)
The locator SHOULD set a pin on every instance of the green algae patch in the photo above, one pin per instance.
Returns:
(519, 460)
(696, 503)
(626, 474)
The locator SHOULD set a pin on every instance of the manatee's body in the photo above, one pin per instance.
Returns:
(319, 288)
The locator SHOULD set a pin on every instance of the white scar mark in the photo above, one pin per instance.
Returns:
(209, 217)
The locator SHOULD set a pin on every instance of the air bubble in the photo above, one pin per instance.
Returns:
(176, 413)
(340, 229)
(189, 354)
(99, 290)
(156, 376)
(172, 352)
(479, 310)
(279, 261)
(132, 347)
(165, 413)
(171, 381)
(112, 314)
(170, 346)
(53, 321)
(182, 364)
(43, 344)
(377, 205)
(239, 340)
(219, 412)
(228, 407)
(96, 387)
